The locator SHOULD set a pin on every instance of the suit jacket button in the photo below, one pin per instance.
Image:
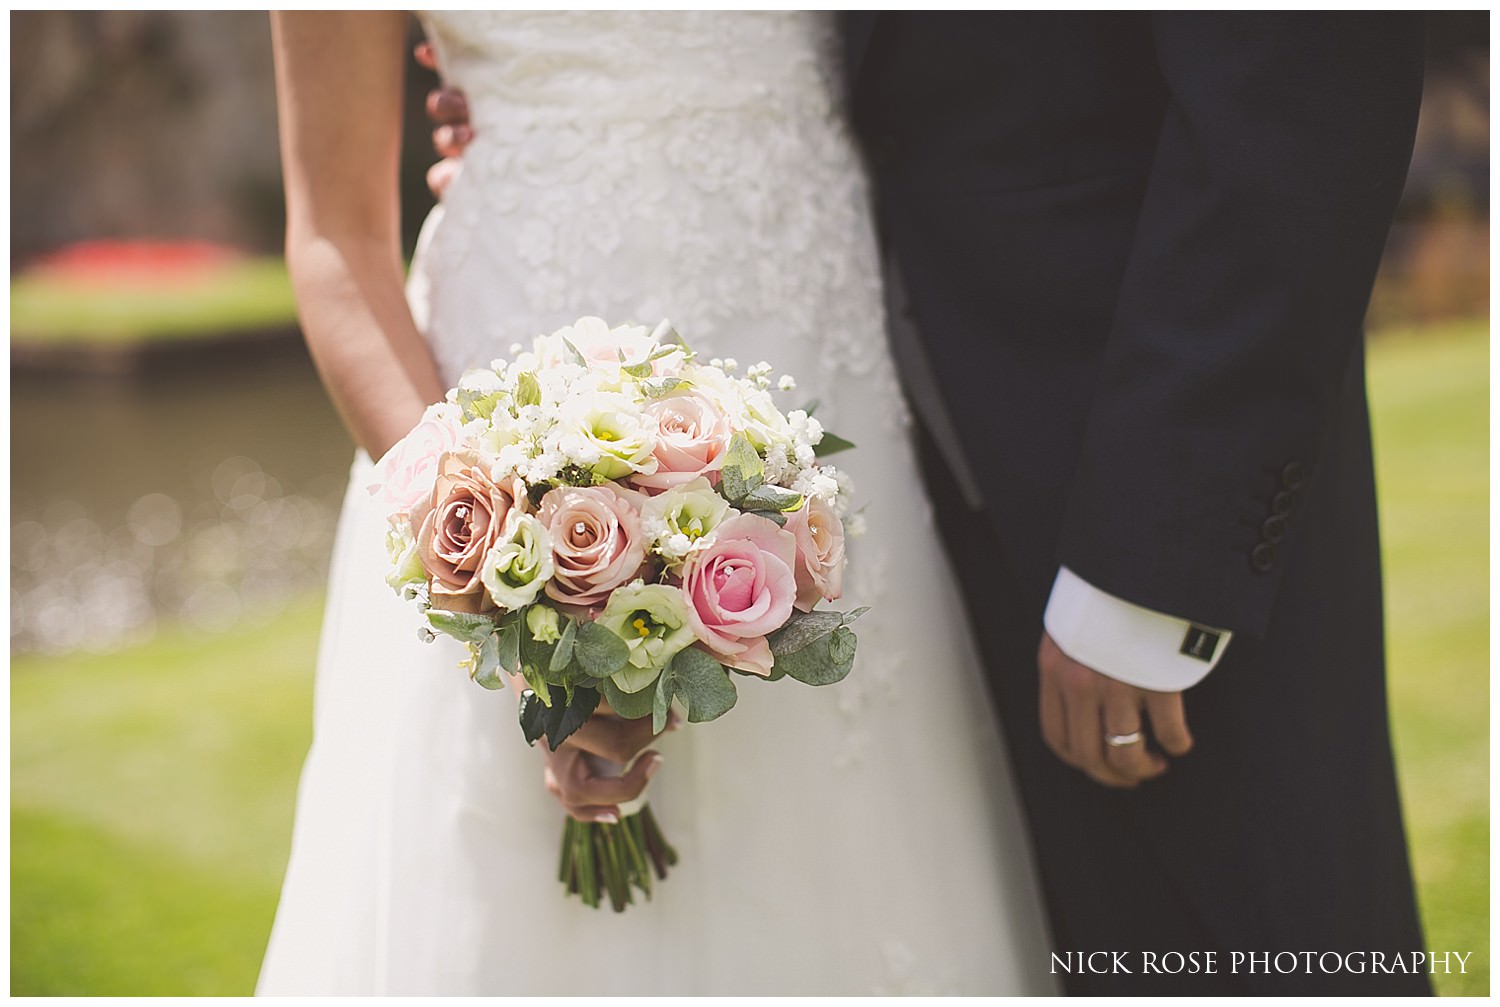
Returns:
(1263, 557)
(1291, 475)
(1273, 529)
(1281, 503)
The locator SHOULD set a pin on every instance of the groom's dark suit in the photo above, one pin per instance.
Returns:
(1136, 251)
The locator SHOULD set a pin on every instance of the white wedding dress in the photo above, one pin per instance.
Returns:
(860, 838)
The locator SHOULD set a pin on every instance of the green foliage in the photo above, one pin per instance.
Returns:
(705, 688)
(816, 648)
(251, 295)
(463, 626)
(630, 705)
(743, 469)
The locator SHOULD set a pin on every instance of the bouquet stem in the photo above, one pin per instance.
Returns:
(599, 859)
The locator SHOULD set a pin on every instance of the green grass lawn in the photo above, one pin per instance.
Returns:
(1431, 413)
(151, 791)
(249, 295)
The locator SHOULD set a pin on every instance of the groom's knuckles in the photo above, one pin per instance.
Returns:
(1169, 723)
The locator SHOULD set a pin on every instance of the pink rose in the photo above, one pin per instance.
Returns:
(692, 436)
(463, 517)
(597, 543)
(740, 588)
(820, 552)
(405, 474)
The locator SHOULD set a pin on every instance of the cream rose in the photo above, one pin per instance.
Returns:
(820, 552)
(597, 543)
(692, 435)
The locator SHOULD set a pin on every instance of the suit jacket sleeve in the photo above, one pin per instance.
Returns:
(1282, 154)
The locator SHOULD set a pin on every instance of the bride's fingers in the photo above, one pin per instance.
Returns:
(613, 738)
(588, 788)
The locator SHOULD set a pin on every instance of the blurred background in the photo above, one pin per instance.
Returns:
(176, 471)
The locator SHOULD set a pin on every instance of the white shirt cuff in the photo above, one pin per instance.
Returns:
(1129, 643)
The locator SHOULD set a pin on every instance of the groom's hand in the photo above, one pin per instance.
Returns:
(449, 111)
(1080, 707)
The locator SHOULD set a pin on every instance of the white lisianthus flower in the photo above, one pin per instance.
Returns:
(683, 517)
(652, 619)
(401, 545)
(607, 433)
(519, 565)
(542, 622)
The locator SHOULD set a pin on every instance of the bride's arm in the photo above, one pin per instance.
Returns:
(339, 87)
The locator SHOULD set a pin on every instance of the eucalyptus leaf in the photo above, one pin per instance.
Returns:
(772, 498)
(562, 654)
(630, 705)
(658, 387)
(465, 626)
(487, 664)
(662, 700)
(743, 469)
(831, 444)
(578, 358)
(826, 660)
(510, 646)
(533, 717)
(640, 370)
(770, 515)
(703, 685)
(598, 651)
(805, 627)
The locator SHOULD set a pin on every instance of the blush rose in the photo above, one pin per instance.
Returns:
(461, 520)
(597, 543)
(741, 587)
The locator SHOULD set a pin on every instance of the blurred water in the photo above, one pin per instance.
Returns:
(202, 493)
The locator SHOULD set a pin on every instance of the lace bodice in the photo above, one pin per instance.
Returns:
(641, 165)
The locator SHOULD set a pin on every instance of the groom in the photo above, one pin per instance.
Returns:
(1128, 256)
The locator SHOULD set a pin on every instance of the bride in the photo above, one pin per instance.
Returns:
(859, 839)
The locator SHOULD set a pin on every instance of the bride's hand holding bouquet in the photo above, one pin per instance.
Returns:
(612, 522)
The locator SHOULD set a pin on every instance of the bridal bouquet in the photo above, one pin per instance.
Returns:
(609, 519)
